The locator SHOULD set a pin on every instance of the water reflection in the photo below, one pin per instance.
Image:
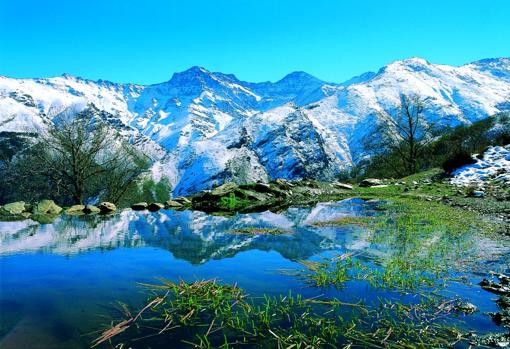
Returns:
(190, 235)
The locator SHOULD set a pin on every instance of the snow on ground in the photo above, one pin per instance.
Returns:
(494, 166)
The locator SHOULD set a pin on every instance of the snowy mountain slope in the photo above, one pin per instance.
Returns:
(204, 128)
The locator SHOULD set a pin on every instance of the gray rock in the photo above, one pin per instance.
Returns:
(140, 206)
(172, 204)
(107, 207)
(46, 207)
(91, 209)
(183, 200)
(370, 182)
(13, 208)
(224, 189)
(76, 210)
(339, 185)
(155, 206)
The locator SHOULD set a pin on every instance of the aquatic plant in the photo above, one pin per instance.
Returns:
(206, 314)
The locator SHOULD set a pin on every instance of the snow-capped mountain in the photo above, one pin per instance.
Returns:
(203, 128)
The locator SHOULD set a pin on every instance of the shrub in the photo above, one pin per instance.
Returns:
(458, 159)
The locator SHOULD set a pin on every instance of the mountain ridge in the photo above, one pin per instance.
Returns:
(203, 128)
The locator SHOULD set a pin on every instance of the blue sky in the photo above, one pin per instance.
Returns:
(259, 40)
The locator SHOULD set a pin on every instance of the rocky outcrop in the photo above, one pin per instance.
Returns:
(140, 206)
(14, 208)
(254, 197)
(106, 207)
(46, 207)
(155, 206)
(370, 182)
(173, 204)
(342, 186)
(91, 209)
(76, 210)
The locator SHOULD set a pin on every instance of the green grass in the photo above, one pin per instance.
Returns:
(206, 314)
(258, 231)
(233, 202)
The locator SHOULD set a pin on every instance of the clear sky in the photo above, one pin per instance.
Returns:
(258, 40)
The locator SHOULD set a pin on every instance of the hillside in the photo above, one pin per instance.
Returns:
(203, 128)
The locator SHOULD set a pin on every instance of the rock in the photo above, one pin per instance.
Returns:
(46, 207)
(76, 210)
(478, 194)
(90, 209)
(140, 206)
(224, 189)
(155, 206)
(183, 200)
(107, 207)
(13, 208)
(339, 185)
(284, 184)
(370, 182)
(466, 308)
(172, 204)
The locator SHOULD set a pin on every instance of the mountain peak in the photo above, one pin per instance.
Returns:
(299, 77)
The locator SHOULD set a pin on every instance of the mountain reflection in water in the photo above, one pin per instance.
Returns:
(189, 235)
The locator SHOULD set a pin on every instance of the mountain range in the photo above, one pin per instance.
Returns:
(204, 128)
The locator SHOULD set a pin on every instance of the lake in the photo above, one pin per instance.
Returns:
(60, 282)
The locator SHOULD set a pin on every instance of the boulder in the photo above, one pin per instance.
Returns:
(76, 210)
(106, 207)
(140, 206)
(339, 185)
(155, 206)
(284, 184)
(13, 208)
(183, 200)
(46, 207)
(370, 182)
(224, 189)
(172, 204)
(90, 209)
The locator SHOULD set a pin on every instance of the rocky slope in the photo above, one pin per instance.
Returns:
(204, 128)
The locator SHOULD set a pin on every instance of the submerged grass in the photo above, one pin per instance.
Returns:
(350, 220)
(206, 314)
(258, 231)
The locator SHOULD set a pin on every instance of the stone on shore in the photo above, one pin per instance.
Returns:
(183, 200)
(339, 185)
(155, 206)
(140, 206)
(370, 182)
(106, 207)
(13, 208)
(91, 209)
(46, 207)
(76, 210)
(172, 204)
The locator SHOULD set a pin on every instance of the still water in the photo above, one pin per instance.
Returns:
(59, 282)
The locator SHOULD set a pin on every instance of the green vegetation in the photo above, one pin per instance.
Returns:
(349, 220)
(146, 190)
(72, 162)
(206, 314)
(451, 150)
(233, 203)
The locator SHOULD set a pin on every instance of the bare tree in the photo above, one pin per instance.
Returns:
(79, 159)
(400, 138)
